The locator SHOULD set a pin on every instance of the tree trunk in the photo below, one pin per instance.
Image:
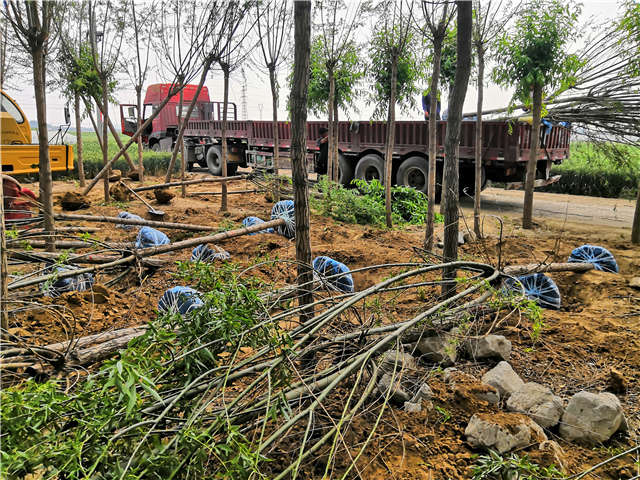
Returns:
(433, 146)
(79, 162)
(140, 159)
(336, 135)
(225, 149)
(299, 94)
(276, 133)
(635, 230)
(180, 142)
(187, 115)
(452, 143)
(527, 211)
(44, 168)
(175, 148)
(4, 291)
(331, 138)
(391, 127)
(105, 134)
(478, 159)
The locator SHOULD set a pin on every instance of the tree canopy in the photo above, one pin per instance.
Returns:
(410, 71)
(534, 52)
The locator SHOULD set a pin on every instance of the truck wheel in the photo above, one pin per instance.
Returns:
(345, 170)
(155, 147)
(370, 167)
(214, 162)
(414, 173)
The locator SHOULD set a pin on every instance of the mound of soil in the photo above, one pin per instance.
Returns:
(120, 193)
(163, 196)
(72, 201)
(133, 175)
(115, 175)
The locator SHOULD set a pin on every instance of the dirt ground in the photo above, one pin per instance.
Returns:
(596, 330)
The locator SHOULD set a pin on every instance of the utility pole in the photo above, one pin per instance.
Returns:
(245, 114)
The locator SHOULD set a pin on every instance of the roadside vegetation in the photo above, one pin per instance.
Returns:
(594, 172)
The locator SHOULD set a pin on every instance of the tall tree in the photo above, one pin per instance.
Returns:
(338, 24)
(437, 16)
(298, 102)
(142, 22)
(234, 32)
(106, 44)
(630, 24)
(491, 18)
(185, 30)
(347, 75)
(394, 71)
(533, 57)
(452, 141)
(274, 30)
(32, 23)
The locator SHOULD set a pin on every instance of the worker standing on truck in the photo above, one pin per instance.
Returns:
(323, 145)
(426, 104)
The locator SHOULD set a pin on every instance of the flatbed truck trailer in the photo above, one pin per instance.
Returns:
(361, 145)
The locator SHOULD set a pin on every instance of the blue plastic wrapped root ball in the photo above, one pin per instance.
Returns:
(128, 216)
(538, 287)
(251, 221)
(328, 267)
(150, 237)
(601, 258)
(77, 283)
(180, 300)
(285, 209)
(203, 253)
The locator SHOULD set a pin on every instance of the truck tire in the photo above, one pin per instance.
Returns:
(214, 160)
(370, 167)
(345, 170)
(414, 173)
(155, 147)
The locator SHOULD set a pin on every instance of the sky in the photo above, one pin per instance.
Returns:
(259, 92)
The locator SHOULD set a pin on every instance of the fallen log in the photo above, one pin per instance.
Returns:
(198, 194)
(550, 267)
(191, 182)
(59, 229)
(74, 344)
(128, 221)
(78, 258)
(151, 251)
(70, 244)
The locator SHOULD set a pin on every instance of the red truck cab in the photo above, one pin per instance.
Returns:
(164, 128)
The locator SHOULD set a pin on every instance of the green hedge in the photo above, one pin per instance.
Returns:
(597, 171)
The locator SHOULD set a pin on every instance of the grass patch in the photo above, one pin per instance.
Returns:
(599, 171)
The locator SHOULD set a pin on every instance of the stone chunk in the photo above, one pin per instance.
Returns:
(504, 379)
(591, 418)
(398, 395)
(635, 282)
(423, 394)
(395, 359)
(440, 349)
(411, 407)
(503, 432)
(489, 346)
(538, 402)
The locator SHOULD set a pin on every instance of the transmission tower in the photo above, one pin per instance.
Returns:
(245, 115)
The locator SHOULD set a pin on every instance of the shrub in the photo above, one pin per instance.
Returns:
(599, 171)
(365, 204)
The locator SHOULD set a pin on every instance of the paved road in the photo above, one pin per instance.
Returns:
(611, 212)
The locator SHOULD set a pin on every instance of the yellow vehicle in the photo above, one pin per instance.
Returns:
(17, 154)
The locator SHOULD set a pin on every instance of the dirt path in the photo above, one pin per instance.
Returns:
(610, 212)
